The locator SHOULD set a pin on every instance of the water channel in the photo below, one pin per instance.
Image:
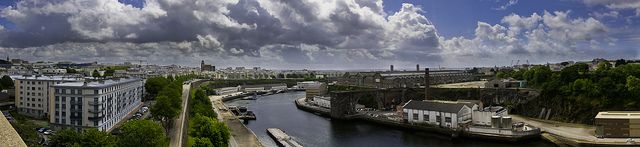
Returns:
(312, 130)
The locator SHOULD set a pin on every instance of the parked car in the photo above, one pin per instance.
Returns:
(48, 132)
(41, 130)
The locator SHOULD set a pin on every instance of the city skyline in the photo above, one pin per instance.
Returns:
(314, 34)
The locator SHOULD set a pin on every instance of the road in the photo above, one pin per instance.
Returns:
(178, 129)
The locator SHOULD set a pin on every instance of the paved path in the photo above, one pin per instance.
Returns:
(577, 132)
(178, 129)
(241, 136)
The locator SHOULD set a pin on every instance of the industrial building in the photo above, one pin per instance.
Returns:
(483, 116)
(94, 104)
(449, 114)
(263, 87)
(405, 79)
(315, 90)
(618, 124)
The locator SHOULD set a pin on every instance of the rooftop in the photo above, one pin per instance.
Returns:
(441, 106)
(99, 83)
(619, 114)
(46, 78)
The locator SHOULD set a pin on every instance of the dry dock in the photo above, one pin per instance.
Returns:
(281, 138)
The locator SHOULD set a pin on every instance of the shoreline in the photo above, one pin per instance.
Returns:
(427, 128)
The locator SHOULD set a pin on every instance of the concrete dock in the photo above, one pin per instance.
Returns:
(241, 135)
(281, 138)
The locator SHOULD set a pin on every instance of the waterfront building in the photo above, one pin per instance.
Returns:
(227, 90)
(305, 84)
(32, 93)
(263, 87)
(618, 124)
(94, 104)
(483, 116)
(316, 90)
(449, 114)
(322, 101)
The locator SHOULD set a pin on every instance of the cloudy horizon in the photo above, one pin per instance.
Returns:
(320, 34)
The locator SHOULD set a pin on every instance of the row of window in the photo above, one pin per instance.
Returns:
(71, 91)
(31, 99)
(31, 88)
(426, 117)
(31, 94)
(30, 104)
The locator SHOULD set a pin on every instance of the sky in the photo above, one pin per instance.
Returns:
(320, 34)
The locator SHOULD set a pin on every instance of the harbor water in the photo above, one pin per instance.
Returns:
(311, 130)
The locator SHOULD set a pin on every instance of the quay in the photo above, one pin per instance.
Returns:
(569, 134)
(281, 138)
(241, 135)
(468, 131)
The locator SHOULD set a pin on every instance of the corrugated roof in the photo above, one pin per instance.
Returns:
(441, 106)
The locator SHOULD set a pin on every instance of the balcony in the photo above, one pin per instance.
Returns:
(76, 110)
(94, 103)
(96, 118)
(94, 111)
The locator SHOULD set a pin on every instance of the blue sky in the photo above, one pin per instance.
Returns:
(305, 33)
(460, 17)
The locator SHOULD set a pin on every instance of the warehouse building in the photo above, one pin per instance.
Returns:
(618, 124)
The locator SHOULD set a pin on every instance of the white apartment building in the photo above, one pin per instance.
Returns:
(97, 104)
(32, 94)
(449, 114)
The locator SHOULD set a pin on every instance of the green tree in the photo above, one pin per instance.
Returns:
(71, 70)
(573, 72)
(633, 84)
(164, 110)
(620, 62)
(142, 133)
(95, 73)
(93, 137)
(603, 66)
(153, 85)
(200, 104)
(6, 82)
(201, 142)
(216, 132)
(66, 138)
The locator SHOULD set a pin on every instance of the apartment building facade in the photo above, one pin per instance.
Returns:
(96, 104)
(32, 94)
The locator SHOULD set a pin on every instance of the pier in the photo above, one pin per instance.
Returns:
(281, 138)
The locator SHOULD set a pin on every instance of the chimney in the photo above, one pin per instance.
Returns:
(427, 93)
(391, 68)
(417, 67)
